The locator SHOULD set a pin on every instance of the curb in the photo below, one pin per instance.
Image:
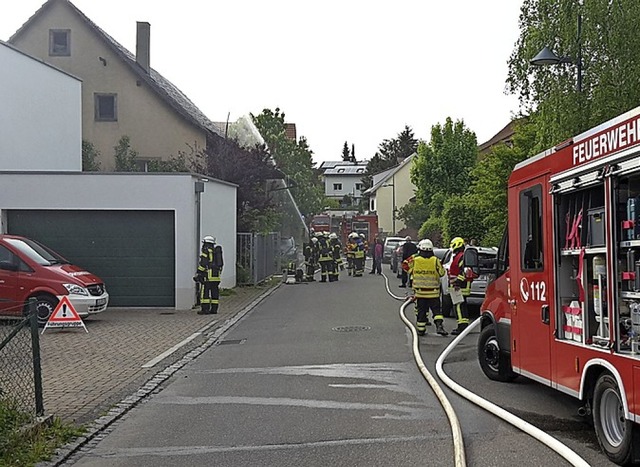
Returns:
(129, 402)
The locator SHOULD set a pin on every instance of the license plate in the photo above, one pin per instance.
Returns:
(101, 301)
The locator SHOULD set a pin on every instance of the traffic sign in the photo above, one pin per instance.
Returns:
(65, 316)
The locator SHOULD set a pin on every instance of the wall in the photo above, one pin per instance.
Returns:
(219, 203)
(40, 115)
(155, 129)
(348, 185)
(141, 191)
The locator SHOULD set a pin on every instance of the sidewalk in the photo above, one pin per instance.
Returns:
(86, 374)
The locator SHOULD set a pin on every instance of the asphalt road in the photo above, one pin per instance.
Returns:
(323, 374)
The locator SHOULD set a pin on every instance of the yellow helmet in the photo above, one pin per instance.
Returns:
(456, 242)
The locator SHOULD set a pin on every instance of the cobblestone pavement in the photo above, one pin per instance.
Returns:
(87, 373)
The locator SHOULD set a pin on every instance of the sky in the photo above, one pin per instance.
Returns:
(341, 70)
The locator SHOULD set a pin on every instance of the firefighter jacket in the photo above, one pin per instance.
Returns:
(425, 272)
(457, 277)
(324, 250)
(351, 249)
(210, 263)
(336, 249)
(358, 251)
(309, 253)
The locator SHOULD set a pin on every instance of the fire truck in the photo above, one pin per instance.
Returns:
(346, 223)
(564, 309)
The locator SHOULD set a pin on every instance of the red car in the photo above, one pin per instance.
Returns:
(29, 269)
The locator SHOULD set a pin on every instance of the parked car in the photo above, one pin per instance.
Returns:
(29, 269)
(390, 245)
(396, 259)
(487, 258)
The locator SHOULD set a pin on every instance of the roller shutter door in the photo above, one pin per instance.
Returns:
(133, 252)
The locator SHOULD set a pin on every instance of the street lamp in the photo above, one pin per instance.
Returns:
(547, 57)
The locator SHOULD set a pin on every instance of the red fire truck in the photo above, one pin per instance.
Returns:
(565, 308)
(344, 224)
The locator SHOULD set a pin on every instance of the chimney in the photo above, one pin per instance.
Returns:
(143, 38)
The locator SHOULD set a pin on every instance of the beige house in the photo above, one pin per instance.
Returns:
(391, 190)
(121, 93)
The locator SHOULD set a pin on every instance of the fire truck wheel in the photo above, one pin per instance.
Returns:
(494, 363)
(614, 431)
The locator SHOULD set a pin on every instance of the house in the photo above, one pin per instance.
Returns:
(139, 232)
(391, 190)
(121, 93)
(31, 91)
(342, 179)
(504, 136)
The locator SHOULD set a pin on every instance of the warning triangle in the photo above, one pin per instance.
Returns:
(65, 315)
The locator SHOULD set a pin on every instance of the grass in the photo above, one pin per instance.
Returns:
(23, 444)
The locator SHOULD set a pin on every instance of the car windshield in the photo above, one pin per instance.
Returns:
(36, 252)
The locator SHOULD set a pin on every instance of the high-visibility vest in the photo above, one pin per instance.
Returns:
(426, 274)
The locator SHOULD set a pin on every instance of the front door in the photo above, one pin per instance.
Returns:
(9, 282)
(531, 287)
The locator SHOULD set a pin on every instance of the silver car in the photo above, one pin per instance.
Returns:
(390, 245)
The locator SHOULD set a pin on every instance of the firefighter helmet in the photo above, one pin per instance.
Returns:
(456, 242)
(407, 238)
(353, 235)
(314, 240)
(362, 236)
(333, 235)
(209, 239)
(425, 245)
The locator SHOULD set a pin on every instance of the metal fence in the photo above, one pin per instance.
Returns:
(20, 373)
(258, 257)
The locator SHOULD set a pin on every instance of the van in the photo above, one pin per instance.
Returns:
(31, 270)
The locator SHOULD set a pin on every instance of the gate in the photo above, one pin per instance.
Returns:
(258, 257)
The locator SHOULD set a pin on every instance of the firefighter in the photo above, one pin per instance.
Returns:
(309, 259)
(426, 270)
(336, 253)
(350, 249)
(358, 256)
(459, 285)
(408, 249)
(208, 275)
(325, 258)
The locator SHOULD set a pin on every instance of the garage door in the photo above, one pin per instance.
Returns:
(132, 251)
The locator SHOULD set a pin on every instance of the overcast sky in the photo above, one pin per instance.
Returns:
(341, 70)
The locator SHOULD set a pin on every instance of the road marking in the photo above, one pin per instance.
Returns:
(165, 354)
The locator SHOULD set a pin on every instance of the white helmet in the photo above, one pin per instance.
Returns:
(209, 239)
(425, 245)
(353, 235)
(333, 235)
(314, 240)
(361, 235)
(407, 238)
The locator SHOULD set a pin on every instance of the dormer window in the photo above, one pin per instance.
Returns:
(360, 171)
(59, 42)
(340, 171)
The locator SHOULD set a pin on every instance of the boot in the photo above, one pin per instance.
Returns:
(440, 328)
(461, 327)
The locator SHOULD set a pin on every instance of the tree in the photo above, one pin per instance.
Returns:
(295, 159)
(90, 156)
(390, 153)
(440, 171)
(607, 47)
(346, 155)
(125, 156)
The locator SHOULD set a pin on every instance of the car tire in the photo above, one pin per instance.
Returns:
(45, 305)
(495, 363)
(614, 431)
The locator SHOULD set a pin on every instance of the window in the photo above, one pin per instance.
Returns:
(358, 186)
(337, 186)
(60, 42)
(531, 228)
(106, 109)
